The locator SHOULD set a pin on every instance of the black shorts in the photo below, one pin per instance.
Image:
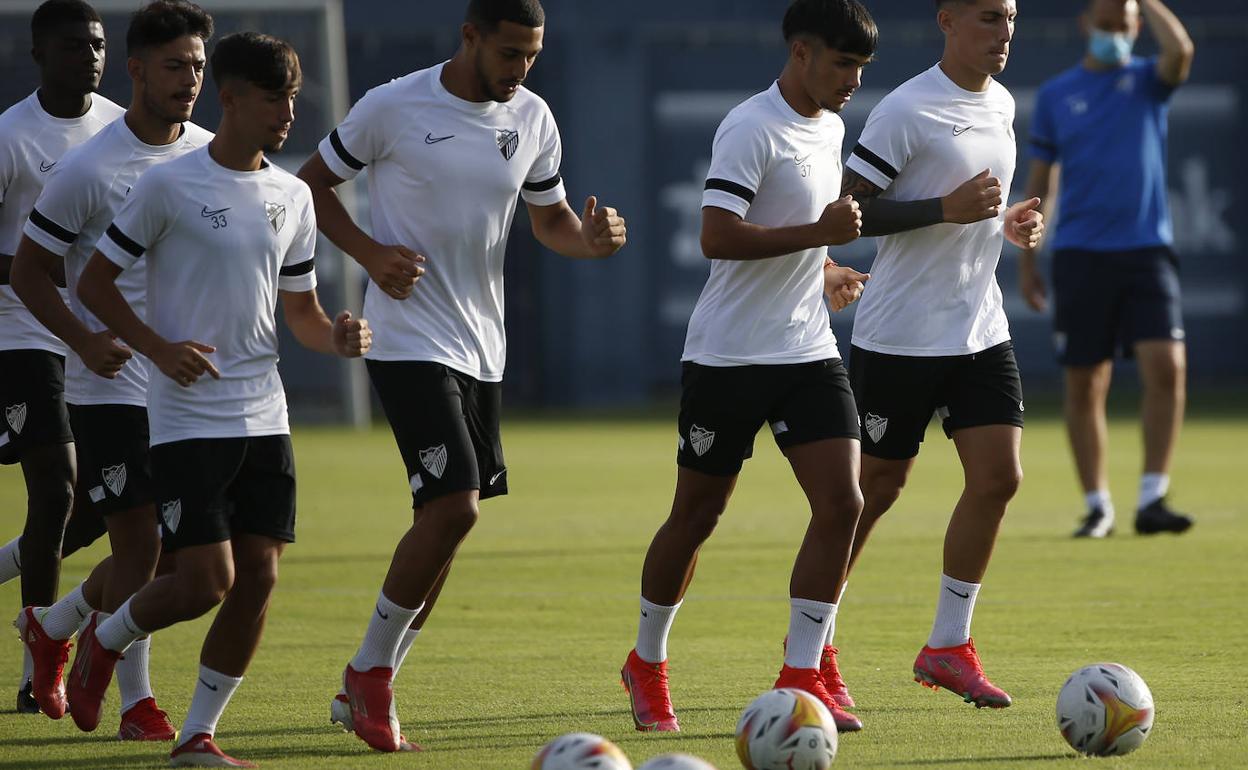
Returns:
(32, 394)
(114, 460)
(446, 425)
(897, 396)
(723, 407)
(1105, 302)
(208, 490)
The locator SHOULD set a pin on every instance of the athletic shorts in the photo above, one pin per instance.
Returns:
(114, 460)
(1107, 301)
(897, 396)
(723, 407)
(446, 425)
(208, 490)
(32, 394)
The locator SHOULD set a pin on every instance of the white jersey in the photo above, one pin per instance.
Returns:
(219, 245)
(443, 179)
(77, 205)
(775, 168)
(32, 143)
(933, 291)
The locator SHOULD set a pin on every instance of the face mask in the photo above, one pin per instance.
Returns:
(1112, 48)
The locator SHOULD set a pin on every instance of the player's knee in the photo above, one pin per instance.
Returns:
(50, 500)
(880, 489)
(698, 519)
(259, 576)
(844, 505)
(202, 590)
(999, 486)
(455, 521)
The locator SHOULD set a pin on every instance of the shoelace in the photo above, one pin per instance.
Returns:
(828, 667)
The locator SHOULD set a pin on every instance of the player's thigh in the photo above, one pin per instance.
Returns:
(895, 397)
(483, 407)
(983, 389)
(32, 395)
(1153, 299)
(991, 459)
(114, 457)
(192, 479)
(1087, 307)
(262, 493)
(721, 410)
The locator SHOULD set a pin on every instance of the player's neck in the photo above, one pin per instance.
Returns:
(792, 91)
(150, 129)
(229, 152)
(459, 79)
(964, 77)
(64, 104)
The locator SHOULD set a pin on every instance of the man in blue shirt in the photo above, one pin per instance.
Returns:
(1115, 278)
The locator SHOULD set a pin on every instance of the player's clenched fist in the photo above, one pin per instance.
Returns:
(102, 354)
(395, 270)
(975, 200)
(184, 362)
(352, 336)
(1024, 224)
(841, 222)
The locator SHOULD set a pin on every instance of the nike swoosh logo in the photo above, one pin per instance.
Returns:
(645, 614)
(46, 167)
(206, 214)
(800, 161)
(966, 595)
(212, 687)
(80, 615)
(382, 615)
(812, 617)
(495, 477)
(960, 131)
(431, 139)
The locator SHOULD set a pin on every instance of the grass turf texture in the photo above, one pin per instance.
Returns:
(540, 611)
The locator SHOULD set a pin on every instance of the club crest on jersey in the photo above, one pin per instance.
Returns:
(434, 460)
(276, 213)
(16, 416)
(701, 440)
(508, 142)
(876, 426)
(171, 513)
(115, 478)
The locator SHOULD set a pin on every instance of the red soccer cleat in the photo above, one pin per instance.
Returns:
(144, 721)
(808, 679)
(373, 718)
(340, 714)
(957, 670)
(202, 751)
(832, 678)
(89, 678)
(648, 695)
(49, 656)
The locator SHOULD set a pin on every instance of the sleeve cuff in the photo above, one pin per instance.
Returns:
(115, 254)
(48, 238)
(297, 283)
(869, 172)
(341, 168)
(545, 197)
(724, 200)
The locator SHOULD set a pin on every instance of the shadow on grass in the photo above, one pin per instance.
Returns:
(964, 760)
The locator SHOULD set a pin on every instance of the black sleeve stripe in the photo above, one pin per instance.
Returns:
(732, 188)
(549, 184)
(124, 241)
(876, 161)
(51, 228)
(303, 268)
(343, 155)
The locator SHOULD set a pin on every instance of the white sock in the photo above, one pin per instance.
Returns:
(1099, 498)
(653, 626)
(62, 619)
(212, 694)
(117, 631)
(132, 679)
(385, 632)
(808, 630)
(409, 636)
(953, 613)
(28, 667)
(1153, 487)
(827, 642)
(10, 560)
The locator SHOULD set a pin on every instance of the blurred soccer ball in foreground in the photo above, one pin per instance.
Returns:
(581, 751)
(1105, 710)
(786, 730)
(677, 762)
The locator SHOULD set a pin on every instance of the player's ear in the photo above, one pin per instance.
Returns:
(469, 34)
(134, 68)
(944, 19)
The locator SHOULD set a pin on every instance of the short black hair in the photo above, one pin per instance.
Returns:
(54, 13)
(486, 15)
(844, 25)
(165, 20)
(262, 60)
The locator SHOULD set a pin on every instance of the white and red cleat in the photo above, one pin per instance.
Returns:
(49, 656)
(373, 717)
(144, 721)
(808, 679)
(202, 751)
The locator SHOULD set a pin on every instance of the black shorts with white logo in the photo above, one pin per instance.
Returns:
(897, 396)
(210, 489)
(114, 460)
(723, 407)
(446, 425)
(1104, 302)
(32, 394)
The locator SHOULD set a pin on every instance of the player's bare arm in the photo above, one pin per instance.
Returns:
(183, 362)
(973, 201)
(598, 233)
(1042, 184)
(395, 269)
(725, 235)
(344, 336)
(842, 286)
(1174, 64)
(33, 276)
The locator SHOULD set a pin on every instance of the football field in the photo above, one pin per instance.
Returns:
(540, 611)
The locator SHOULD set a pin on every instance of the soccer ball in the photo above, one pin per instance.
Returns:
(581, 751)
(1104, 710)
(677, 762)
(786, 729)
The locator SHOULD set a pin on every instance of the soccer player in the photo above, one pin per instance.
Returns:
(450, 148)
(68, 47)
(930, 334)
(106, 390)
(226, 235)
(760, 350)
(1115, 277)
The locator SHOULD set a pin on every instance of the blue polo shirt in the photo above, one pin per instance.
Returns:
(1107, 129)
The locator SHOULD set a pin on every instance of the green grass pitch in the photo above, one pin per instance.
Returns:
(540, 611)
